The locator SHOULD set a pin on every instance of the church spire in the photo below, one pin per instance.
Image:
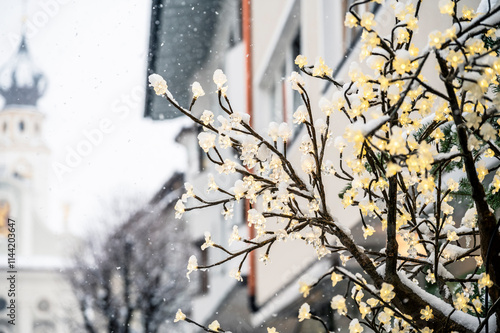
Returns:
(21, 82)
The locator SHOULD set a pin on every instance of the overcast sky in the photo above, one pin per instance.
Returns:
(94, 55)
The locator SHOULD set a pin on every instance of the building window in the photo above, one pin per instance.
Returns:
(203, 161)
(21, 126)
(286, 101)
(296, 47)
(5, 127)
(235, 35)
(279, 103)
(203, 275)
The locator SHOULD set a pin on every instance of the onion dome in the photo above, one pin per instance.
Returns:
(21, 82)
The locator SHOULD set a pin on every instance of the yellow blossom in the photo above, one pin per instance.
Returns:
(179, 316)
(479, 261)
(359, 295)
(495, 184)
(461, 301)
(192, 265)
(401, 65)
(496, 66)
(442, 113)
(408, 9)
(236, 274)
(321, 69)
(158, 83)
(350, 20)
(412, 23)
(402, 35)
(336, 278)
(372, 302)
(338, 303)
(386, 292)
(452, 236)
(489, 153)
(197, 90)
(413, 163)
(431, 278)
(376, 62)
(475, 46)
(397, 144)
(364, 310)
(207, 117)
(219, 79)
(304, 288)
(370, 38)
(424, 106)
(414, 93)
(179, 209)
(214, 326)
(208, 241)
(368, 20)
(384, 224)
(368, 231)
(355, 136)
(482, 171)
(365, 52)
(297, 81)
(491, 33)
(484, 281)
(413, 50)
(455, 58)
(384, 82)
(483, 83)
(384, 317)
(426, 185)
(436, 39)
(304, 312)
(344, 259)
(355, 326)
(426, 313)
(476, 302)
(389, 312)
(301, 61)
(347, 200)
(438, 135)
(468, 13)
(447, 7)
(450, 33)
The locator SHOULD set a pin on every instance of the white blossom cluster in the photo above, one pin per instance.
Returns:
(411, 147)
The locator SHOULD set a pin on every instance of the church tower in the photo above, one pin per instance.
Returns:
(42, 292)
(23, 152)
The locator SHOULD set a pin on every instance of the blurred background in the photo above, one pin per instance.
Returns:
(92, 162)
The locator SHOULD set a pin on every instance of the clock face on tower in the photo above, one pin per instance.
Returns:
(23, 169)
